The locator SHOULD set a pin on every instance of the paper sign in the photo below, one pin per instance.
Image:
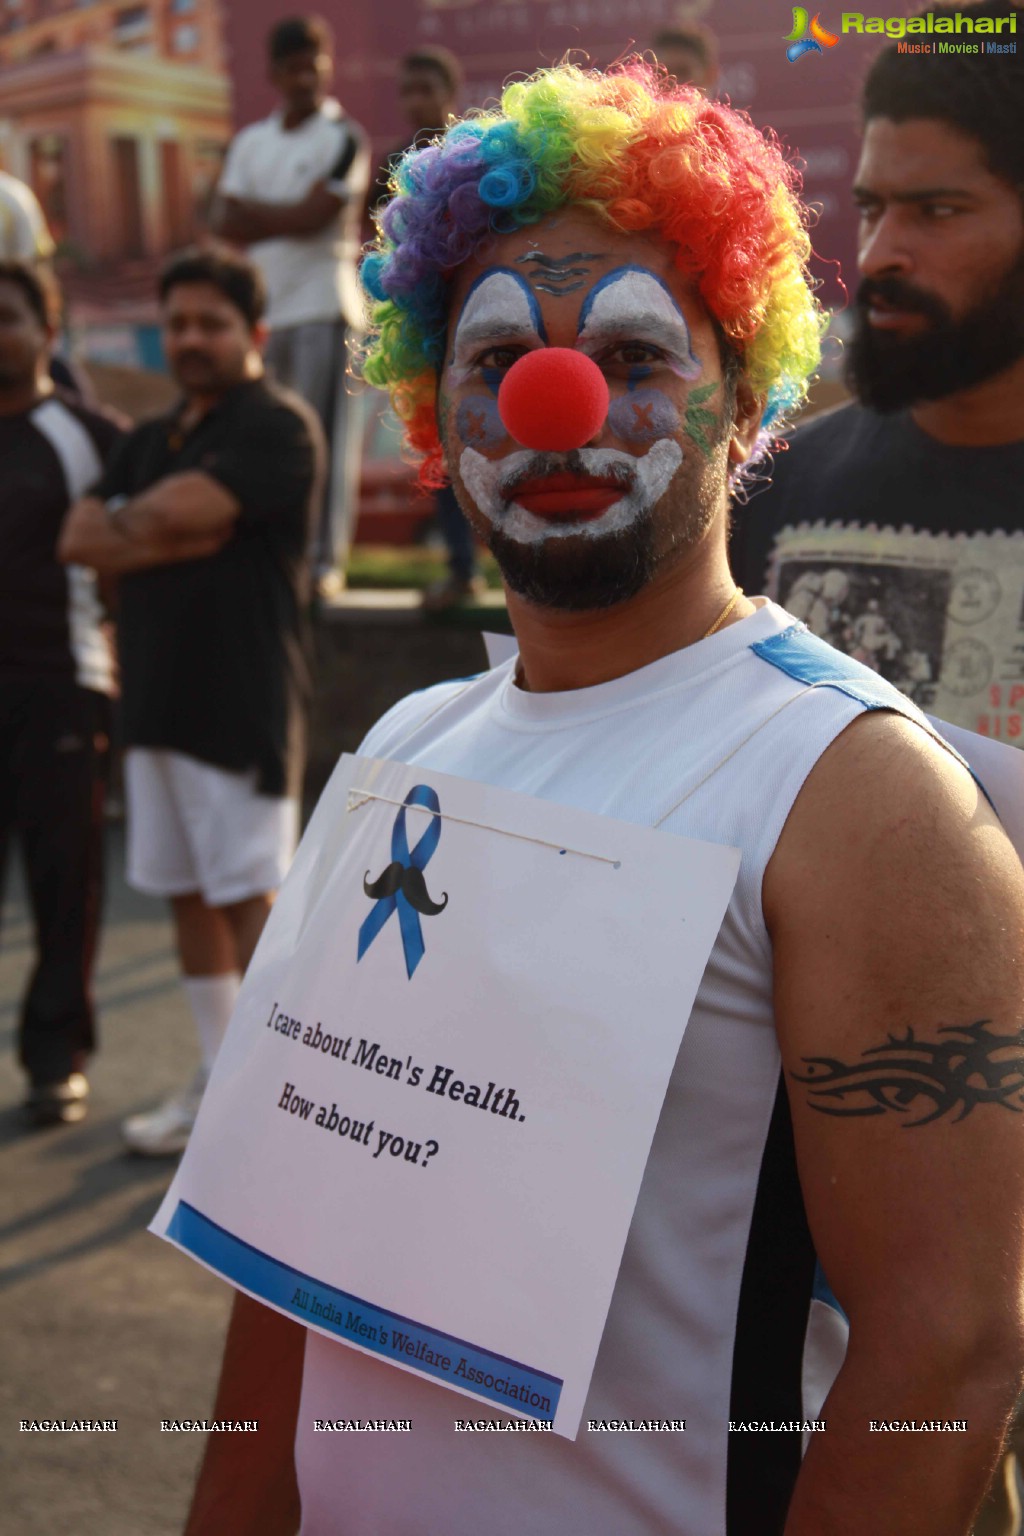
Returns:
(499, 647)
(428, 1123)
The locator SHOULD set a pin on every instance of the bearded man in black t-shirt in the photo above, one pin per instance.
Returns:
(895, 526)
(56, 678)
(204, 516)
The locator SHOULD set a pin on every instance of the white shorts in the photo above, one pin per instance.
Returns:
(193, 827)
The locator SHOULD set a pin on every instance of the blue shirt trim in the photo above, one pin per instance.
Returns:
(822, 1291)
(806, 659)
(809, 660)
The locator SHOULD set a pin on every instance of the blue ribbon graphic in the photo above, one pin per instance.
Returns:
(418, 859)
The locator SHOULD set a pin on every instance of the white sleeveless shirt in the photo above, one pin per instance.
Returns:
(719, 1312)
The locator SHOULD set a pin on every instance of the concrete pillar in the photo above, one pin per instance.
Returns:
(151, 193)
(93, 215)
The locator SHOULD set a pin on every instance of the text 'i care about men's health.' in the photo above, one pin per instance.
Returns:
(491, 1098)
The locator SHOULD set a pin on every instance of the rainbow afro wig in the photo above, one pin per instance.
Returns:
(641, 152)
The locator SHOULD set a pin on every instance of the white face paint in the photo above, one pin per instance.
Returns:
(650, 477)
(631, 303)
(500, 308)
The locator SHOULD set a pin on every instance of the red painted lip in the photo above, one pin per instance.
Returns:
(568, 498)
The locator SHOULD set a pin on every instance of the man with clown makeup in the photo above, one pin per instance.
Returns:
(591, 307)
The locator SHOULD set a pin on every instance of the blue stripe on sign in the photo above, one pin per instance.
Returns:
(450, 1360)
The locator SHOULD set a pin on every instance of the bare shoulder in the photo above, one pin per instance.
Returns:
(895, 904)
(895, 900)
(890, 818)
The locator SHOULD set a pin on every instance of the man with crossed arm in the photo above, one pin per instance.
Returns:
(829, 1227)
(203, 516)
(292, 193)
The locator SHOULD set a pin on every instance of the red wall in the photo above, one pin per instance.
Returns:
(811, 104)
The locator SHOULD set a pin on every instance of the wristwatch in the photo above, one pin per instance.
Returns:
(113, 509)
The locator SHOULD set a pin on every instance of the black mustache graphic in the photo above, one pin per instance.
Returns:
(411, 882)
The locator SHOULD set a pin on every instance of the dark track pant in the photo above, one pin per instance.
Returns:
(457, 535)
(54, 751)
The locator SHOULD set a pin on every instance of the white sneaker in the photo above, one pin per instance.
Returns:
(164, 1132)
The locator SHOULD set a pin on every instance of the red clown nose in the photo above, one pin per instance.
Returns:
(553, 399)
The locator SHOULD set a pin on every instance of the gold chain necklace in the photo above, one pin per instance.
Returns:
(730, 605)
(520, 677)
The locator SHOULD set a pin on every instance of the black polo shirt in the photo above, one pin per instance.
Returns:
(214, 652)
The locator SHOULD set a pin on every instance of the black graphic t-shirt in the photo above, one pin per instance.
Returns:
(904, 552)
(214, 653)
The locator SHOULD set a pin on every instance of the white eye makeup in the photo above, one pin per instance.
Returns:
(632, 304)
(499, 308)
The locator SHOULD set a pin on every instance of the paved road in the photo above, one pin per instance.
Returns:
(100, 1320)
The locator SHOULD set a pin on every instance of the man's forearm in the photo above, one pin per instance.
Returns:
(246, 1484)
(246, 220)
(895, 1482)
(185, 516)
(88, 538)
(251, 220)
(188, 504)
(228, 221)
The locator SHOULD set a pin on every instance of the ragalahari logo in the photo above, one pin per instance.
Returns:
(800, 42)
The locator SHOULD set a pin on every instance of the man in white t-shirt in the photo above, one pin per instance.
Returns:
(821, 1258)
(292, 192)
(24, 233)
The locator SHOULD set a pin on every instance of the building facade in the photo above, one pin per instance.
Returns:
(117, 113)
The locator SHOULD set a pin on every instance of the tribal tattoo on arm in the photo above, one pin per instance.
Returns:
(922, 1080)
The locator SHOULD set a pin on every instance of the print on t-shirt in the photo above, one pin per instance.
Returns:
(940, 616)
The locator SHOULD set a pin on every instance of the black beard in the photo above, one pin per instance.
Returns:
(888, 372)
(580, 573)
